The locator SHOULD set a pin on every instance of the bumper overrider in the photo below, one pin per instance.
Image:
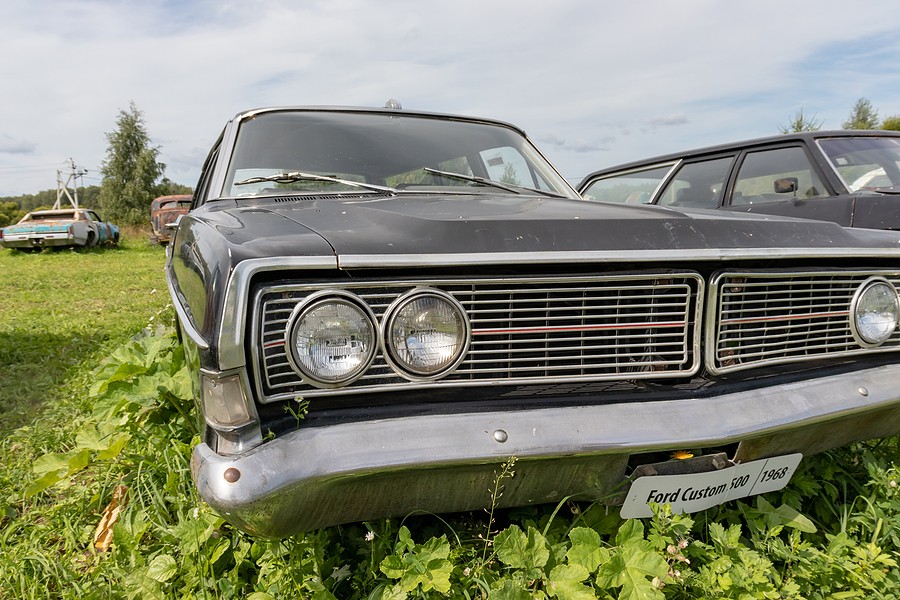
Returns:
(321, 476)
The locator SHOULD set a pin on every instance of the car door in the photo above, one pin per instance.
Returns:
(99, 227)
(784, 181)
(698, 183)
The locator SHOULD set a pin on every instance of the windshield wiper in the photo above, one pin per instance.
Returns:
(509, 187)
(546, 193)
(472, 178)
(292, 176)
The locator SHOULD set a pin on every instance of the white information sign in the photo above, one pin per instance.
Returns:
(694, 492)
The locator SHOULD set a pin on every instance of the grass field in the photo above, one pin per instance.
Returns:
(96, 499)
(61, 308)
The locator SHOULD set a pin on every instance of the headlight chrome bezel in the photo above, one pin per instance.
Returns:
(863, 337)
(392, 354)
(314, 302)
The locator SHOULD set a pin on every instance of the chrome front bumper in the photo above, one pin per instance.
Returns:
(321, 476)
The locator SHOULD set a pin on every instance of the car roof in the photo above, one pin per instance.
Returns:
(387, 111)
(803, 136)
(59, 211)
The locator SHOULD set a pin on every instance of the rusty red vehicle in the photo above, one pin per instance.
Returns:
(164, 211)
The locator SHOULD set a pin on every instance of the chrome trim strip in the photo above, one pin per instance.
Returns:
(231, 335)
(441, 384)
(358, 261)
(234, 316)
(664, 182)
(187, 324)
(640, 169)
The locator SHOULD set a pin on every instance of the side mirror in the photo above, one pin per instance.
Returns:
(786, 185)
(174, 224)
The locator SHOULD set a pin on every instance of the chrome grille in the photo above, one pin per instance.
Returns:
(523, 330)
(775, 317)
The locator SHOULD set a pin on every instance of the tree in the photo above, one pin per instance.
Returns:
(10, 213)
(801, 122)
(863, 116)
(130, 172)
(30, 202)
(892, 123)
(168, 187)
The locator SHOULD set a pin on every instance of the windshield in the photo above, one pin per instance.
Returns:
(865, 163)
(306, 151)
(57, 215)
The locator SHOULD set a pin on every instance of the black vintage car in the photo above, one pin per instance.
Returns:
(849, 177)
(380, 307)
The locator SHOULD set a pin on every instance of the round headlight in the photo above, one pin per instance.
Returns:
(874, 312)
(426, 333)
(332, 339)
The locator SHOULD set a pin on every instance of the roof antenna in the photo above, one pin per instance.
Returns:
(393, 104)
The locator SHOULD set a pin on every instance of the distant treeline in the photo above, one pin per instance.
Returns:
(13, 208)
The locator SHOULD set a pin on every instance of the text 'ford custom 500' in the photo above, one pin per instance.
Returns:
(380, 307)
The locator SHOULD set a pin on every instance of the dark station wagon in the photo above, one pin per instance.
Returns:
(849, 177)
(380, 307)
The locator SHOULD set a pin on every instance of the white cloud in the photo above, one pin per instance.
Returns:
(669, 120)
(594, 83)
(8, 145)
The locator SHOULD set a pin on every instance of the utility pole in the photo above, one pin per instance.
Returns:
(63, 189)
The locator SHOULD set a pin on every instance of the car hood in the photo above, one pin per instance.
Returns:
(452, 224)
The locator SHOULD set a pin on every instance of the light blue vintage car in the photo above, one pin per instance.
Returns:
(60, 227)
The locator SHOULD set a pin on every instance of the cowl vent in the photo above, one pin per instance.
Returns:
(308, 197)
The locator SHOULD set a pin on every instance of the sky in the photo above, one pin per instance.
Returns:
(593, 83)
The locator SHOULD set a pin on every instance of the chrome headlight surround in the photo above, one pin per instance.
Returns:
(425, 334)
(874, 312)
(331, 338)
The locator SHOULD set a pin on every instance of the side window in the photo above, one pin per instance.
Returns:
(633, 187)
(202, 188)
(205, 176)
(698, 184)
(775, 175)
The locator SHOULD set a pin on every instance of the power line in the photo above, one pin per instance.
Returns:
(62, 189)
(28, 167)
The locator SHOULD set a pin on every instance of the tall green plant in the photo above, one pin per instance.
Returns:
(131, 171)
(166, 543)
(863, 116)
